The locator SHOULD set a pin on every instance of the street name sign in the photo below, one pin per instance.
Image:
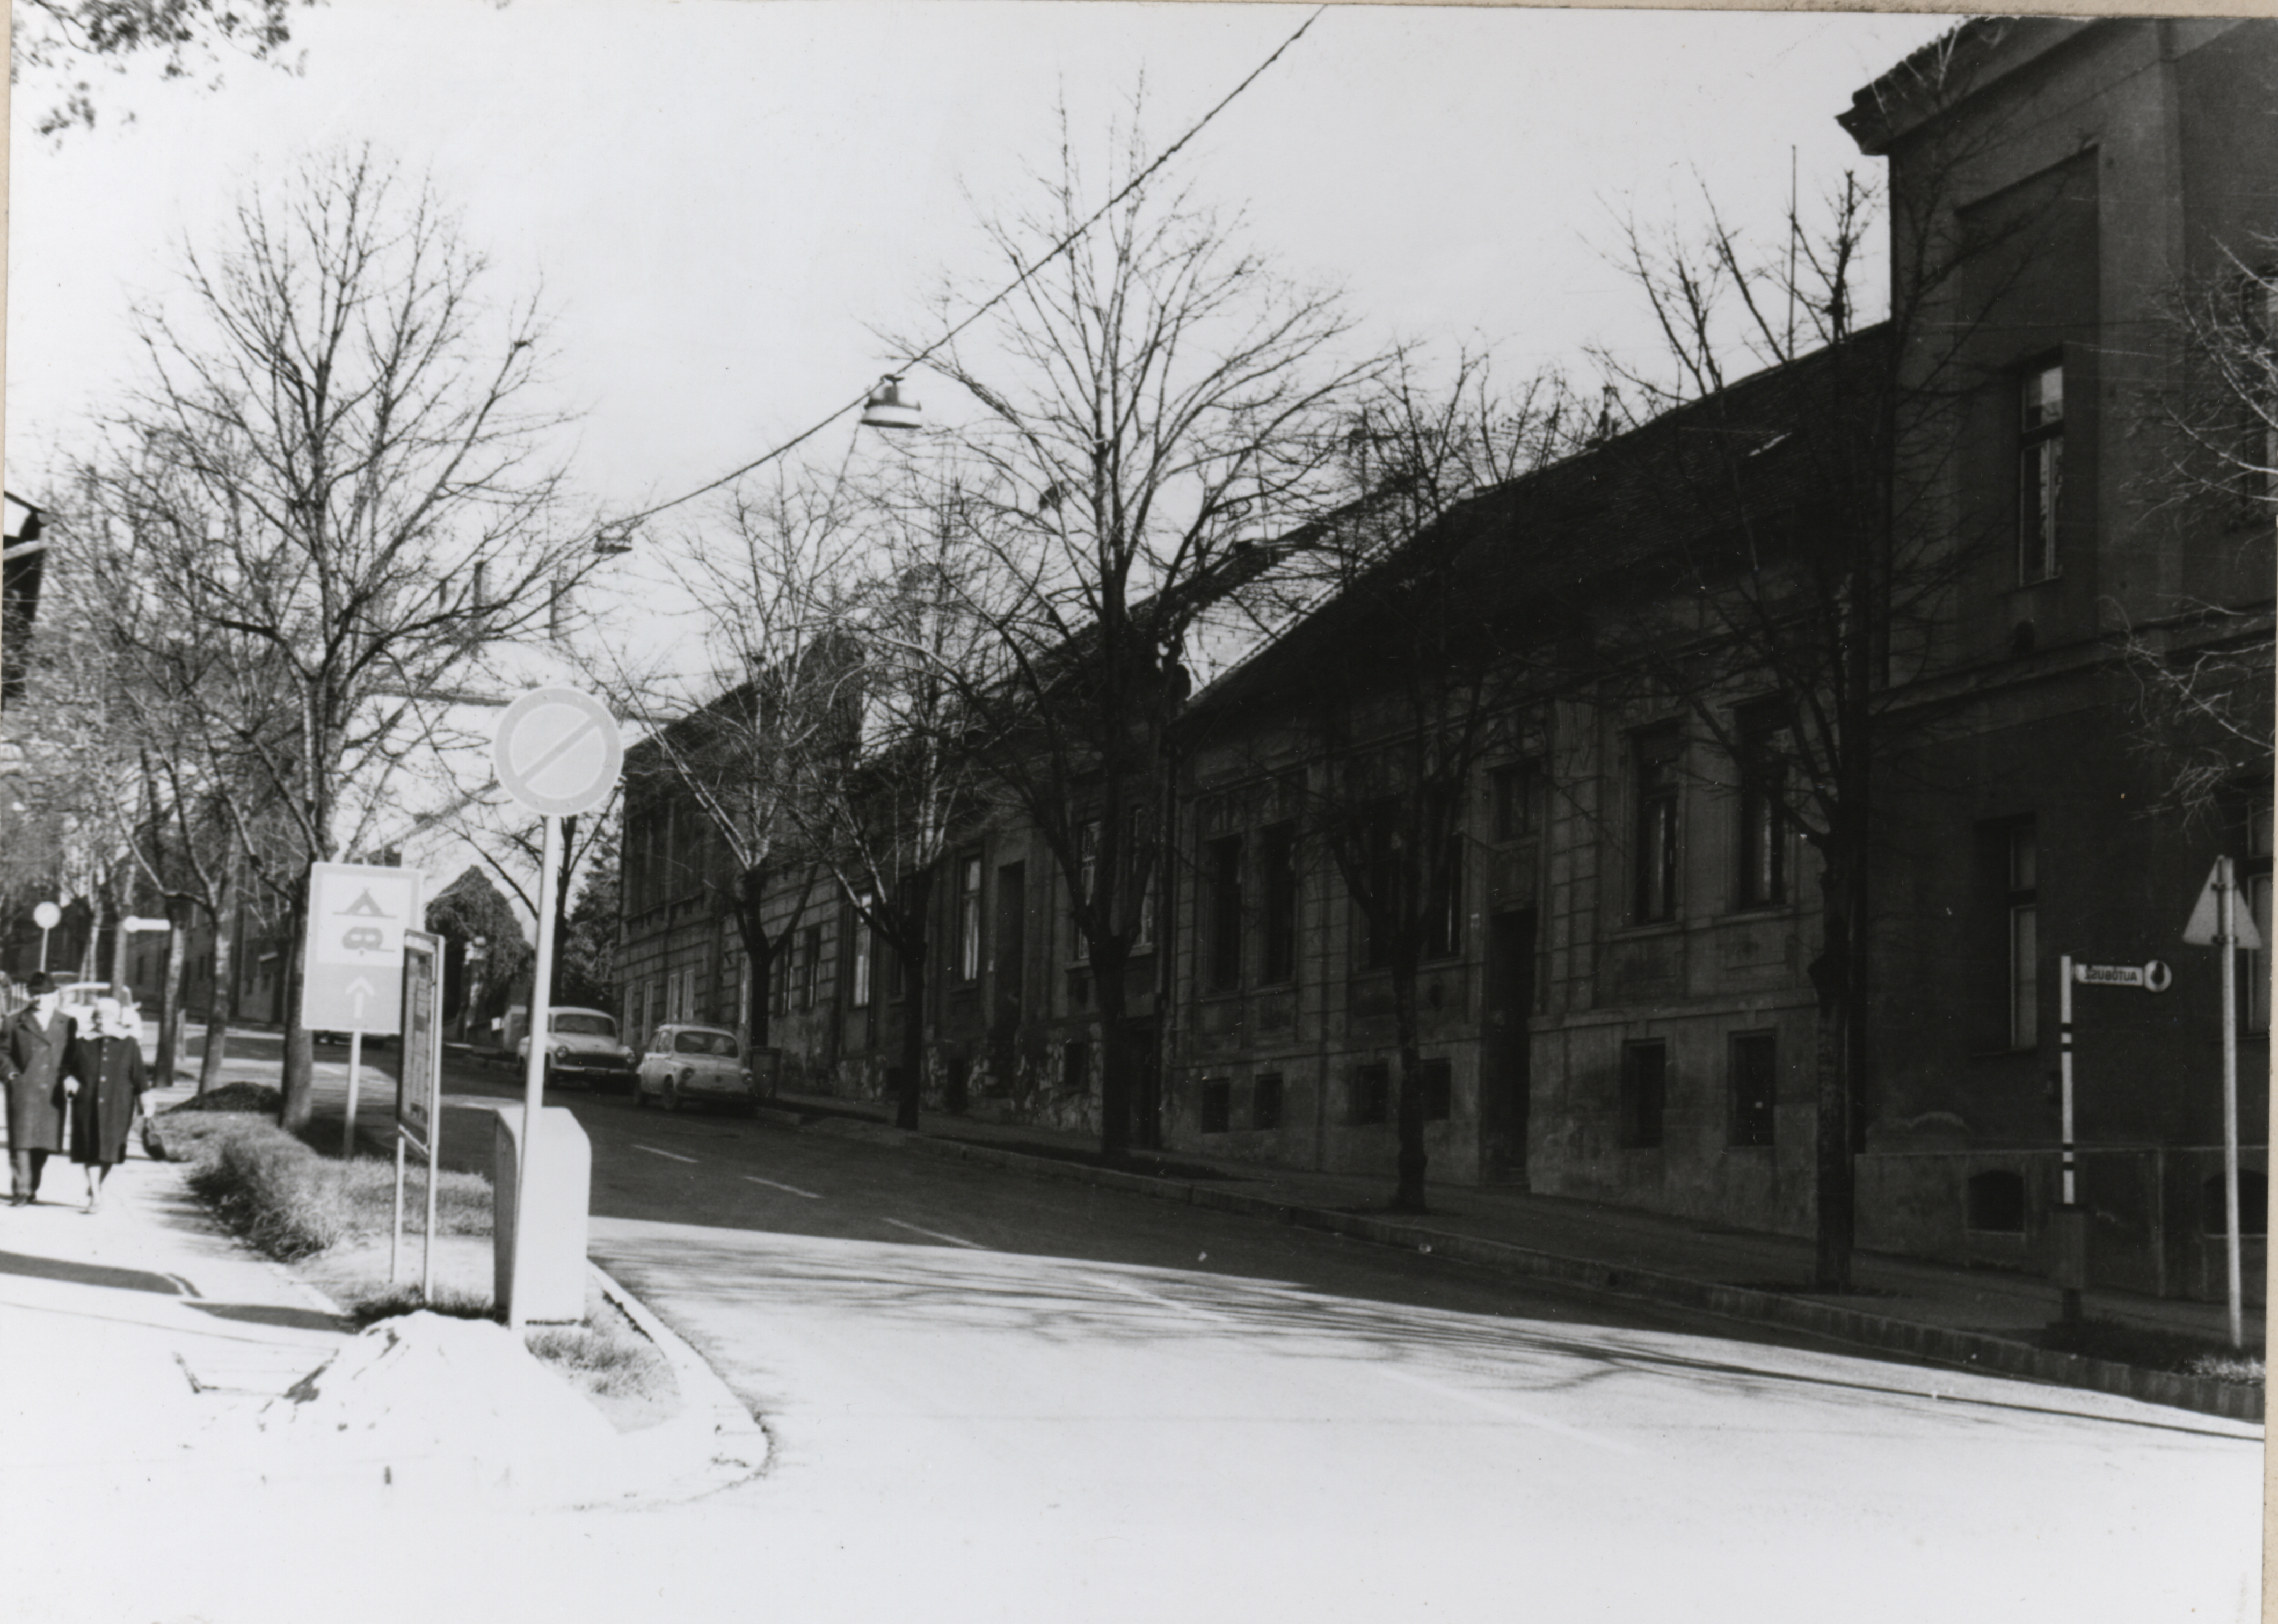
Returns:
(2154, 977)
(557, 751)
(357, 915)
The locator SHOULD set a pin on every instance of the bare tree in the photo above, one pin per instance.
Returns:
(1148, 392)
(53, 38)
(774, 576)
(1413, 670)
(2203, 673)
(886, 791)
(334, 466)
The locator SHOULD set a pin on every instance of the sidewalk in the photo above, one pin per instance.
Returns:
(143, 1345)
(1978, 1318)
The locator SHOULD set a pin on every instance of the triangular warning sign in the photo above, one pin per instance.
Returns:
(367, 907)
(2208, 915)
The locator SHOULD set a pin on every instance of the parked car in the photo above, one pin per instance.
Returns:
(581, 1047)
(693, 1066)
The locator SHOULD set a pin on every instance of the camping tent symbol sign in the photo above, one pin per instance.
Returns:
(557, 751)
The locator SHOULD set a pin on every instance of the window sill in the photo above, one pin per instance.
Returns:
(1656, 927)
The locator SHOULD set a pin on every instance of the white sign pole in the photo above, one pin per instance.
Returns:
(355, 1071)
(2226, 945)
(533, 1085)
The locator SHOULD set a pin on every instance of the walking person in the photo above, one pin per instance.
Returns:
(34, 1054)
(105, 1079)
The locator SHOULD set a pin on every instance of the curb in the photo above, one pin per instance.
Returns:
(1939, 1345)
(714, 1422)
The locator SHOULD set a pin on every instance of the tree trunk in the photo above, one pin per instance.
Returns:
(98, 906)
(759, 952)
(1115, 1058)
(913, 913)
(1832, 979)
(1408, 1192)
(121, 943)
(221, 998)
(170, 991)
(561, 910)
(300, 1072)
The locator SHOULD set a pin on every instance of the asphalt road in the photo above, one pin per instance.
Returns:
(995, 1397)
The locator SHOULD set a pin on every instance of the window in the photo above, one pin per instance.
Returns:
(1087, 873)
(810, 966)
(1075, 1066)
(1222, 948)
(2024, 938)
(1515, 790)
(1655, 766)
(2040, 470)
(1753, 1076)
(1217, 1105)
(1142, 851)
(1764, 747)
(1443, 900)
(968, 919)
(1265, 1100)
(859, 991)
(1436, 1082)
(1995, 1202)
(1277, 862)
(1372, 1093)
(1384, 856)
(1645, 1092)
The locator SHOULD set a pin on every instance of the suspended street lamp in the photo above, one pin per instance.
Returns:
(886, 409)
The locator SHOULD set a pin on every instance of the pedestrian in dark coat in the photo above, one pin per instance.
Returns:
(106, 1080)
(35, 1055)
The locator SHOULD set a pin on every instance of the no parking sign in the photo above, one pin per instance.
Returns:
(557, 751)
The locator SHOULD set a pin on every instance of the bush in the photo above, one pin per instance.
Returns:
(258, 1098)
(273, 1190)
(292, 1202)
(195, 1138)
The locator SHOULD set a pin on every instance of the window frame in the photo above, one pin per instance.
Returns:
(1222, 878)
(2040, 467)
(1761, 824)
(1277, 856)
(1656, 785)
(969, 923)
(1752, 1125)
(2021, 859)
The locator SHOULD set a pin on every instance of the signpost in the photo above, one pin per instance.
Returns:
(2072, 1220)
(358, 915)
(418, 1091)
(2216, 922)
(558, 753)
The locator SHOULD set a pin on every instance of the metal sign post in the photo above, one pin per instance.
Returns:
(47, 916)
(418, 1092)
(2072, 1218)
(2215, 923)
(557, 752)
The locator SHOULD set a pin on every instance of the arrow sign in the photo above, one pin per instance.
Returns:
(359, 990)
(2206, 915)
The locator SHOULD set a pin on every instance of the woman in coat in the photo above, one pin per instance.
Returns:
(34, 1056)
(106, 1081)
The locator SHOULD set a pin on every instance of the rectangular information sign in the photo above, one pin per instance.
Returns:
(2109, 975)
(418, 1081)
(359, 914)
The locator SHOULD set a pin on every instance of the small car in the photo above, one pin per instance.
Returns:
(581, 1047)
(692, 1066)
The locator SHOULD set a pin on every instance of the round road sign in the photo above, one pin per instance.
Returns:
(2157, 977)
(47, 916)
(557, 751)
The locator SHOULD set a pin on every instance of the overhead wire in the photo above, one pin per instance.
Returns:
(627, 523)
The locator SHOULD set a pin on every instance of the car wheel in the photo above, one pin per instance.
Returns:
(671, 1100)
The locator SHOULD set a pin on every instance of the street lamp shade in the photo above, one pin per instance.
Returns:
(613, 541)
(886, 409)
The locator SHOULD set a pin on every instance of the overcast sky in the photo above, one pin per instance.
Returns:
(724, 199)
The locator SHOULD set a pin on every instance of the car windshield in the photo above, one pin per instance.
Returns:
(704, 1043)
(584, 1025)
